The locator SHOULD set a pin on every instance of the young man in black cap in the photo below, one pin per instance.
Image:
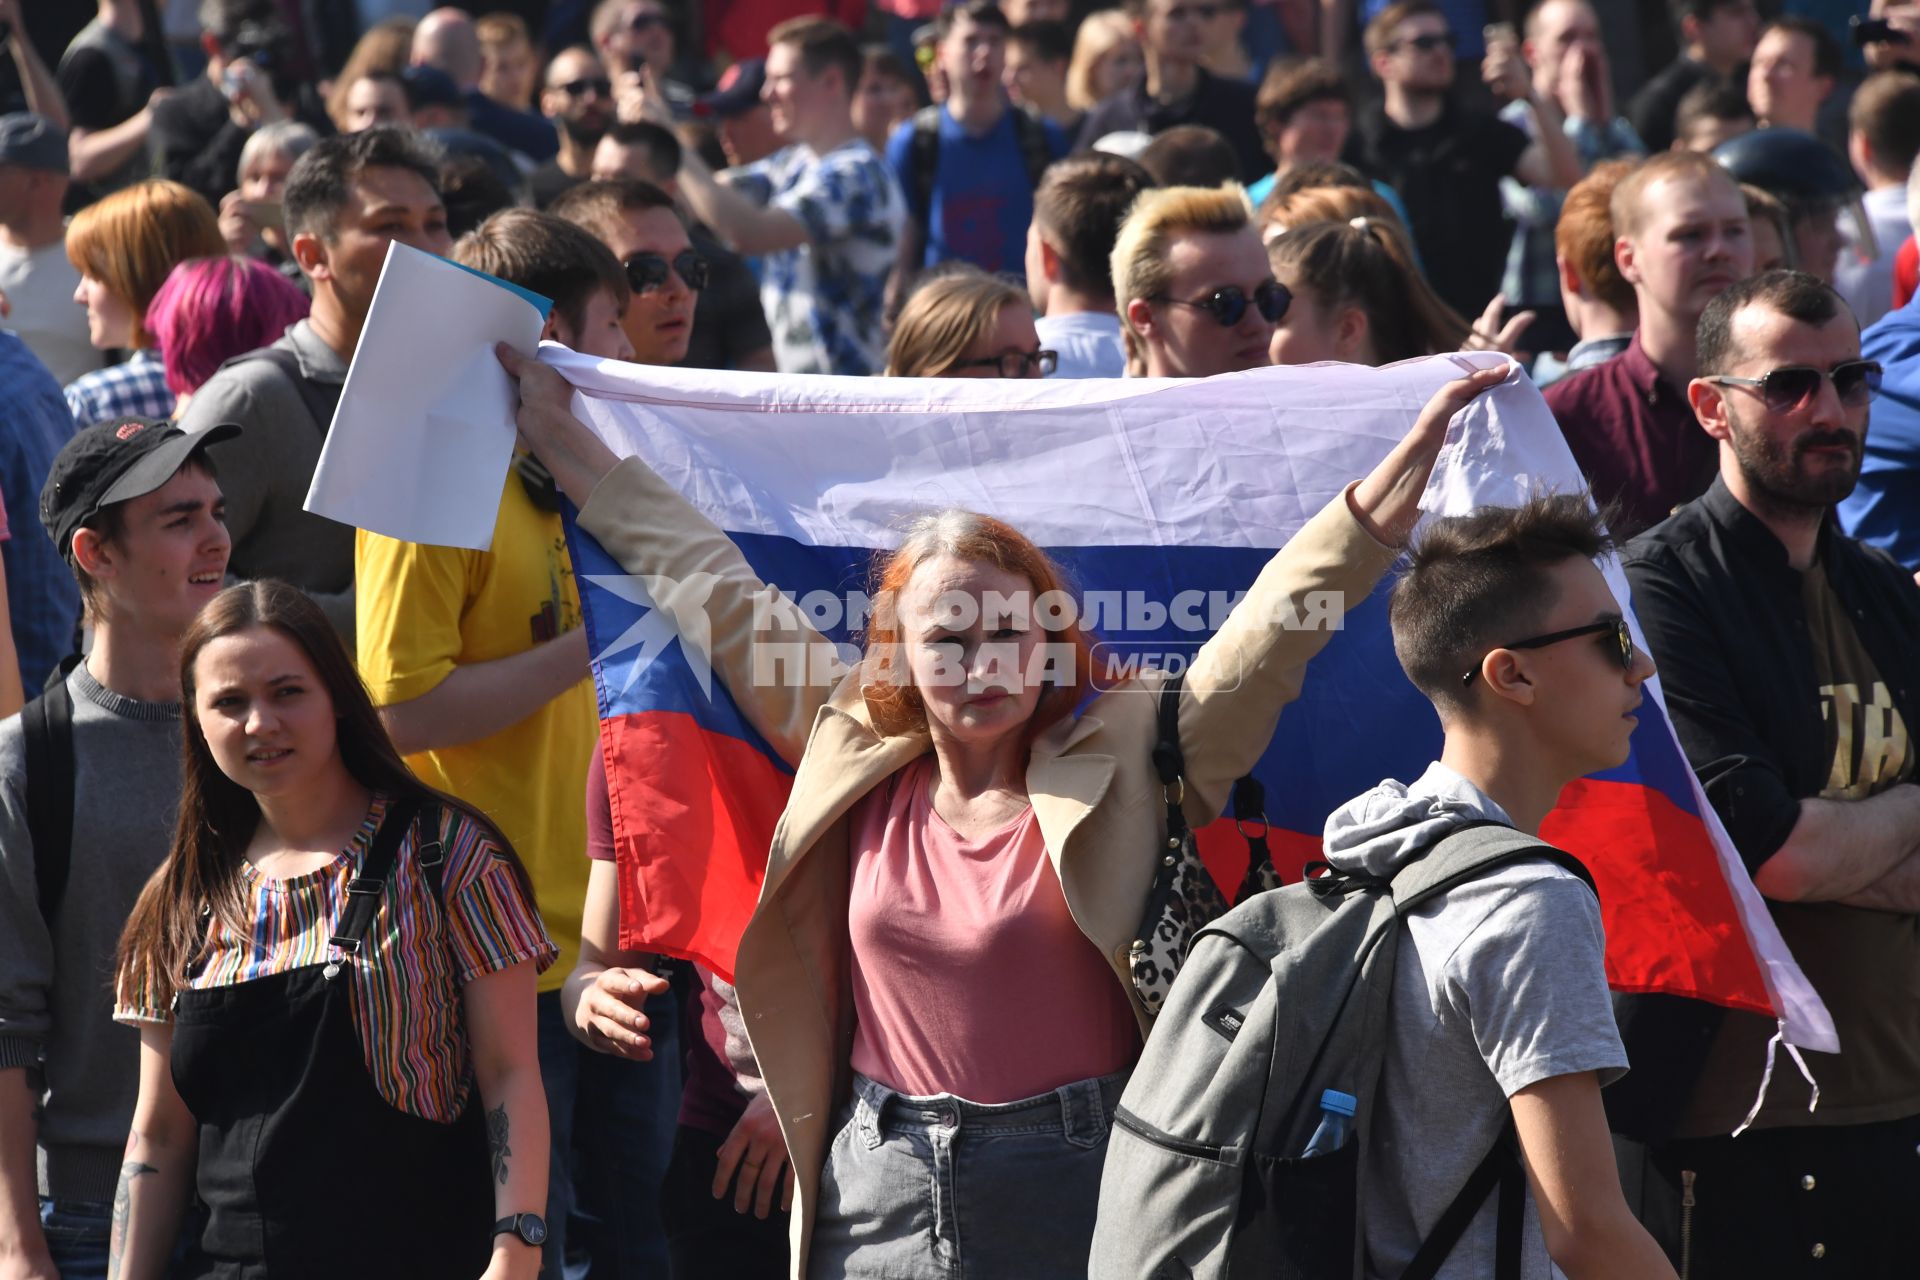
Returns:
(134, 507)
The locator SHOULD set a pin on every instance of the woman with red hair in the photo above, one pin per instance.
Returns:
(210, 310)
(937, 982)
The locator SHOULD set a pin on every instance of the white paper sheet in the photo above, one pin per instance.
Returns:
(420, 444)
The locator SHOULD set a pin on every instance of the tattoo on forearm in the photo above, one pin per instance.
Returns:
(497, 1142)
(123, 1208)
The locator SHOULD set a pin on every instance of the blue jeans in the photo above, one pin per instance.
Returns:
(612, 1124)
(929, 1188)
(76, 1232)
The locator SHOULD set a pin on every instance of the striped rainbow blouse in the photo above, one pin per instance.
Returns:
(416, 956)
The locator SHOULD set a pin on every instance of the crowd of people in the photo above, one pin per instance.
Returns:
(310, 886)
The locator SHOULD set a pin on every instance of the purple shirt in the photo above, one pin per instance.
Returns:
(1635, 438)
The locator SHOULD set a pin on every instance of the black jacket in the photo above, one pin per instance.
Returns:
(1723, 616)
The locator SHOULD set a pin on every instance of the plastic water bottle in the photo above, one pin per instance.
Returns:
(1336, 1124)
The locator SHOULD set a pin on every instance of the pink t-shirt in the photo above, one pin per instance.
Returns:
(969, 974)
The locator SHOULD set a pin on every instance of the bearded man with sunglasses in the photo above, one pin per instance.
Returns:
(1790, 656)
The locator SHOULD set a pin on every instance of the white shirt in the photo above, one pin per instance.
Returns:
(1089, 344)
(1867, 283)
(39, 285)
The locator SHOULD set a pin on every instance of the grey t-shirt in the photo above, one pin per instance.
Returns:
(1499, 984)
(56, 988)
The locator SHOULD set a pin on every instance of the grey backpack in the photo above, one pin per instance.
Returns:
(1282, 998)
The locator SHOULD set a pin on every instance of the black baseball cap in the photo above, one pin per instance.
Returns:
(113, 462)
(737, 94)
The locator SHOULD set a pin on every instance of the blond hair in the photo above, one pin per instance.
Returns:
(945, 316)
(1140, 268)
(130, 240)
(1100, 34)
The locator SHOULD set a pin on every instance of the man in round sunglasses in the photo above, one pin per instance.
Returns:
(1790, 656)
(1197, 296)
(639, 223)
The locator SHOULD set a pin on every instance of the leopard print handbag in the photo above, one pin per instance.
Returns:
(1185, 898)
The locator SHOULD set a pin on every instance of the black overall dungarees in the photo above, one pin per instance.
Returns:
(305, 1169)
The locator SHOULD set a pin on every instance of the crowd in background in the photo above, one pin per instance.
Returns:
(196, 199)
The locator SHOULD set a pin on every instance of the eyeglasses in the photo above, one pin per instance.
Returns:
(1619, 643)
(645, 21)
(1428, 43)
(589, 84)
(648, 271)
(1790, 387)
(1015, 364)
(1194, 12)
(1229, 302)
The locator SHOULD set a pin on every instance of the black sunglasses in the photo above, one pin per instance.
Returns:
(642, 21)
(587, 84)
(648, 271)
(1619, 635)
(1015, 364)
(1229, 302)
(1427, 44)
(1792, 386)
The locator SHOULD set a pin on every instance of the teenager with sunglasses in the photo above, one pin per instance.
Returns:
(1790, 658)
(637, 221)
(964, 323)
(1196, 294)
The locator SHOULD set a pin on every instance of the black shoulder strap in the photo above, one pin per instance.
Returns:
(319, 401)
(47, 723)
(431, 851)
(1500, 1166)
(1035, 150)
(924, 159)
(1249, 797)
(364, 890)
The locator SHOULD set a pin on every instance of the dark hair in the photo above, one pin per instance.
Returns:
(1047, 41)
(1700, 10)
(1079, 206)
(218, 817)
(227, 20)
(1793, 294)
(1379, 33)
(823, 45)
(1712, 99)
(553, 257)
(1826, 50)
(1370, 266)
(659, 142)
(1317, 173)
(472, 191)
(321, 181)
(1475, 582)
(1886, 112)
(1293, 83)
(984, 13)
(1190, 155)
(598, 206)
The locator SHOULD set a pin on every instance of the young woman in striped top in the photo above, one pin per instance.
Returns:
(333, 977)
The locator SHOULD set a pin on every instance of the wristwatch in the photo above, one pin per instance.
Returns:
(530, 1227)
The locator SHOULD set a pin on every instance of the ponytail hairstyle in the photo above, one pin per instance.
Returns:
(1367, 263)
(218, 817)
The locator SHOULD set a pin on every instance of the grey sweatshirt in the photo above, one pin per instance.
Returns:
(266, 469)
(56, 992)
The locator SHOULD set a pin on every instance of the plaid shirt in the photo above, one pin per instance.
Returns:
(45, 600)
(138, 387)
(1531, 279)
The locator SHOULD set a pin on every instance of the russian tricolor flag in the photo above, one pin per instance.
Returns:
(1162, 499)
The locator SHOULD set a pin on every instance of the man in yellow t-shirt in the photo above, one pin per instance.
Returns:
(479, 664)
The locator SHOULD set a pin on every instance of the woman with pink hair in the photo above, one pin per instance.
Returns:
(210, 310)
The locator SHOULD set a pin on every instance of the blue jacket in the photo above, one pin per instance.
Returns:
(42, 595)
(1884, 508)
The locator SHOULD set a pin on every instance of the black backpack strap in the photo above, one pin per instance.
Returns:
(320, 402)
(1500, 1166)
(431, 850)
(1035, 151)
(923, 160)
(364, 890)
(47, 725)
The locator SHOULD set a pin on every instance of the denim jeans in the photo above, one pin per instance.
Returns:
(945, 1189)
(76, 1232)
(612, 1124)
